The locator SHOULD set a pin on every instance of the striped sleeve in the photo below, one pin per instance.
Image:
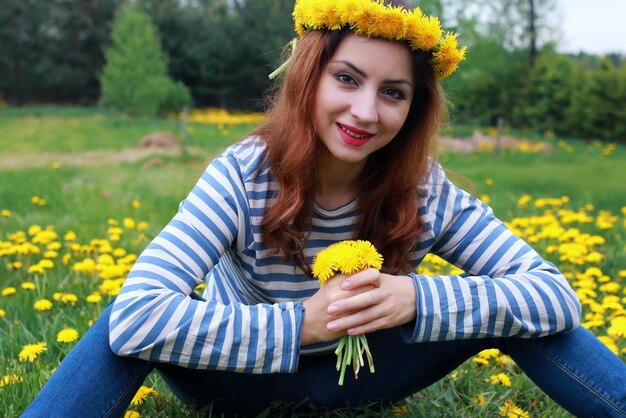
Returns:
(155, 319)
(507, 290)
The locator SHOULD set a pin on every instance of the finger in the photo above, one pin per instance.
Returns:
(376, 325)
(359, 299)
(357, 319)
(366, 277)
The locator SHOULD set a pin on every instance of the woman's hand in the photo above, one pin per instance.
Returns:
(316, 317)
(361, 303)
(389, 302)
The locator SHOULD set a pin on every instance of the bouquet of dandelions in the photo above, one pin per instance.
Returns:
(348, 257)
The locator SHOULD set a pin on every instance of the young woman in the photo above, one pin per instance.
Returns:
(344, 154)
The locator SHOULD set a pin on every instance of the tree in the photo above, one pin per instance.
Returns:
(607, 90)
(20, 40)
(135, 78)
(500, 34)
(51, 51)
(548, 93)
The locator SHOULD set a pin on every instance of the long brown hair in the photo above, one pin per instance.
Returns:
(389, 198)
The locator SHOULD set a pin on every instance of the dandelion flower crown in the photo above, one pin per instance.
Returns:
(373, 18)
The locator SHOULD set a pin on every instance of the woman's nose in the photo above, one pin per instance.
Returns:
(364, 107)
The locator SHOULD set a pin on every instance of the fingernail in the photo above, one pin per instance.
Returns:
(332, 309)
(346, 285)
(332, 326)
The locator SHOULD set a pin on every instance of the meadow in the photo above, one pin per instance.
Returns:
(70, 231)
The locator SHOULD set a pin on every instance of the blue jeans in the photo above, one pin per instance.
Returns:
(575, 369)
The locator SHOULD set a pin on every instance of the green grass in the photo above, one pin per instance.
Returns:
(583, 174)
(84, 198)
(71, 129)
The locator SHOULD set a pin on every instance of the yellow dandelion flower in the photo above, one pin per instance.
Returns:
(56, 165)
(327, 13)
(390, 24)
(424, 32)
(67, 335)
(500, 379)
(366, 19)
(489, 353)
(69, 236)
(448, 56)
(348, 262)
(10, 379)
(136, 204)
(5, 213)
(54, 246)
(28, 286)
(505, 360)
(510, 410)
(9, 291)
(106, 259)
(42, 305)
(129, 223)
(95, 297)
(346, 10)
(315, 11)
(132, 414)
(480, 399)
(480, 361)
(119, 252)
(323, 267)
(400, 410)
(36, 269)
(69, 298)
(46, 264)
(50, 254)
(2, 313)
(142, 394)
(34, 230)
(142, 226)
(31, 352)
(345, 257)
(16, 265)
(617, 327)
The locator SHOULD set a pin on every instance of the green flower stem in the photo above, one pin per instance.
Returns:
(350, 351)
(370, 358)
(339, 352)
(361, 341)
(279, 70)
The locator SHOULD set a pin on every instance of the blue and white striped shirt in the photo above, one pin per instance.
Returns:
(252, 316)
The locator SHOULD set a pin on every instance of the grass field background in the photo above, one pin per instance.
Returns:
(70, 231)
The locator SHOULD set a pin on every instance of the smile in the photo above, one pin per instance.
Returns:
(352, 133)
(354, 136)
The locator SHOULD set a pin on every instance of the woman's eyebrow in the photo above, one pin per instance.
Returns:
(364, 75)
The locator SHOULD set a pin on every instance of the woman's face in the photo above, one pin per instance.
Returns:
(363, 97)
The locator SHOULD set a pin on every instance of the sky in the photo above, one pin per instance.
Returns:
(593, 26)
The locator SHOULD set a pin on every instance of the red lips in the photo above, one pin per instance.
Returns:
(353, 136)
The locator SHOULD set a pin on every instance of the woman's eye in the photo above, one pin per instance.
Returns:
(395, 94)
(345, 78)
